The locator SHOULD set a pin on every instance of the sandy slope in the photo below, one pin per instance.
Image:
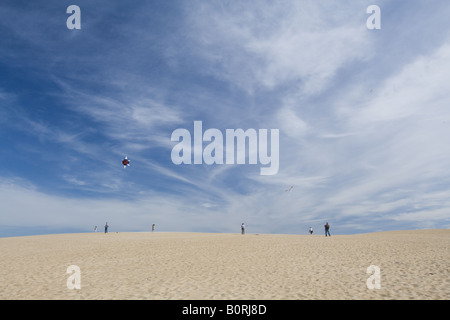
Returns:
(413, 265)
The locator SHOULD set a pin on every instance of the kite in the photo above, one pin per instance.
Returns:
(287, 190)
(125, 162)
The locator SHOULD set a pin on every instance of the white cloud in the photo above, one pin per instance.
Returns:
(291, 124)
(271, 44)
(34, 208)
(419, 90)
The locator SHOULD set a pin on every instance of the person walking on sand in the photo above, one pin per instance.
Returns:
(242, 228)
(327, 229)
(106, 227)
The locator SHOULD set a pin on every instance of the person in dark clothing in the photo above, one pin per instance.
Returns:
(327, 229)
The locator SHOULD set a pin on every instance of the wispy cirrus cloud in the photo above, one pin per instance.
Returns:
(248, 44)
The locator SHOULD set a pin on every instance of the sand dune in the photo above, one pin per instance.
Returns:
(159, 265)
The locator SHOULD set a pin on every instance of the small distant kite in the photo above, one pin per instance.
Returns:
(288, 190)
(371, 90)
(125, 162)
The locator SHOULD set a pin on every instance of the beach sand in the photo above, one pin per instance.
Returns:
(172, 265)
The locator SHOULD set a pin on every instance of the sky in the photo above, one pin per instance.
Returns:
(363, 115)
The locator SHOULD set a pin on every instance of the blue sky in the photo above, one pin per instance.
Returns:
(363, 115)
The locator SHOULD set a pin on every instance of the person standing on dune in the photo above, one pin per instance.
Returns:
(327, 229)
